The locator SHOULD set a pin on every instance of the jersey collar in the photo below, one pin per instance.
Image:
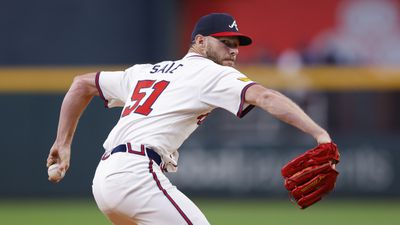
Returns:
(193, 55)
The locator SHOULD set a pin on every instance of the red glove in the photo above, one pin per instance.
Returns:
(312, 175)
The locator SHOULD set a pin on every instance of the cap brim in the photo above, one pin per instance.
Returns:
(243, 39)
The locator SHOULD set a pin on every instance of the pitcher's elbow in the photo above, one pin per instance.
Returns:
(85, 84)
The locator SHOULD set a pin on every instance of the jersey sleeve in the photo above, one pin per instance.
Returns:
(227, 90)
(113, 87)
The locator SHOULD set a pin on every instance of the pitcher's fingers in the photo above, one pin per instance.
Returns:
(63, 166)
(54, 180)
(50, 161)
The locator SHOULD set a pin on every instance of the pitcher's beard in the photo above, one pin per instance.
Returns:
(224, 62)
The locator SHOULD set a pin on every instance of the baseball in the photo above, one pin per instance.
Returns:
(53, 172)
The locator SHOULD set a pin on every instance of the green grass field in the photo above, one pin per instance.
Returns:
(219, 212)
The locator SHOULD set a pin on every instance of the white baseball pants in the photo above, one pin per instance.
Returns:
(131, 189)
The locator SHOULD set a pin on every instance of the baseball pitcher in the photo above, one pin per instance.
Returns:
(161, 105)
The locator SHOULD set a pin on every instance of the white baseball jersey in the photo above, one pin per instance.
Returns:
(165, 102)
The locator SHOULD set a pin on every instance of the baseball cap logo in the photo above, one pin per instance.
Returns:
(234, 25)
(219, 25)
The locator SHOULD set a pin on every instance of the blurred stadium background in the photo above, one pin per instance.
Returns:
(338, 59)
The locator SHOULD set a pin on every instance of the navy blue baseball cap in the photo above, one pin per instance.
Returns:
(219, 25)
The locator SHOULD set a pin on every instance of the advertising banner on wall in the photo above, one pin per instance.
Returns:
(364, 169)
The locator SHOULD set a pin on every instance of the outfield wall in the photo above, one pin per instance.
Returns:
(225, 156)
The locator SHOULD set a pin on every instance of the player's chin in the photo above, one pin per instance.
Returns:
(228, 62)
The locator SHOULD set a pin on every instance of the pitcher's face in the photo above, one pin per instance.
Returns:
(222, 50)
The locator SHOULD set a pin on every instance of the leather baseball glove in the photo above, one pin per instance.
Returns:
(312, 175)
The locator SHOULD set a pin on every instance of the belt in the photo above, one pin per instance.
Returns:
(143, 151)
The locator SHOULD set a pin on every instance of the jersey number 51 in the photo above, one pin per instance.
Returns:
(137, 96)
